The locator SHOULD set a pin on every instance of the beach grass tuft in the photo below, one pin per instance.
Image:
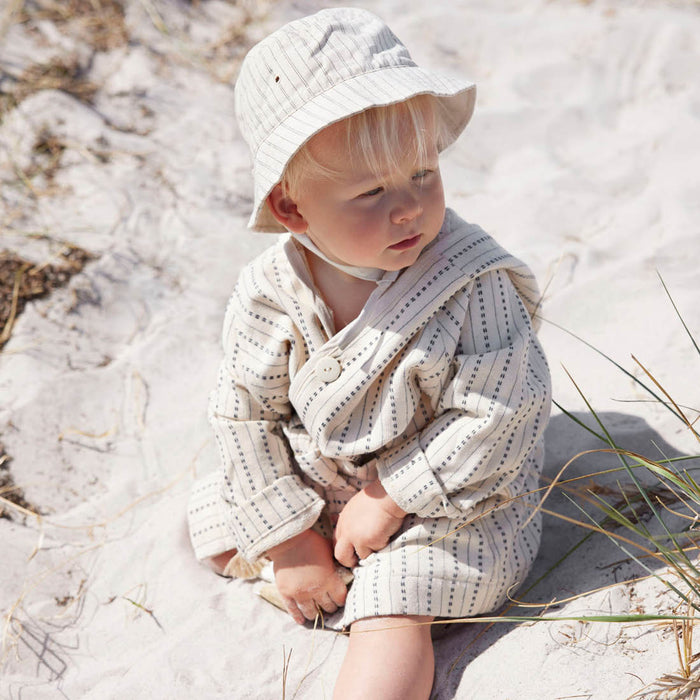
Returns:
(652, 514)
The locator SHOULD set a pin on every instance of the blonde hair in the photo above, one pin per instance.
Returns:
(374, 139)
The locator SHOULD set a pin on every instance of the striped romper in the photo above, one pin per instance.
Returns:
(439, 388)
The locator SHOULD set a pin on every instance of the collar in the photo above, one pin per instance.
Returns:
(372, 274)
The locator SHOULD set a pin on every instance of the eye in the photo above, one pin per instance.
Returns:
(422, 174)
(372, 193)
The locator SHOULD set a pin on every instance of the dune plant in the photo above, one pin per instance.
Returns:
(636, 516)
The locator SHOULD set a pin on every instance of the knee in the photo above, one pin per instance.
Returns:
(416, 623)
(389, 658)
(405, 638)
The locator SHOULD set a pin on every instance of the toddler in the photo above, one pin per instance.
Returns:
(383, 396)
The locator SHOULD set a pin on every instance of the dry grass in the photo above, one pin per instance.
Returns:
(223, 57)
(8, 490)
(685, 683)
(22, 280)
(98, 23)
(61, 73)
(675, 493)
(40, 635)
(47, 150)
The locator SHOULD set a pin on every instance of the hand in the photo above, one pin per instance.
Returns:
(306, 576)
(365, 524)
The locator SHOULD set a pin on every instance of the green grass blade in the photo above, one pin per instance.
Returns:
(636, 380)
(664, 553)
(572, 417)
(570, 618)
(617, 516)
(631, 474)
(678, 313)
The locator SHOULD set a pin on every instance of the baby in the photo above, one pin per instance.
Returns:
(383, 396)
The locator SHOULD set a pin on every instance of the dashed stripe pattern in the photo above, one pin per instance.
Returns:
(317, 70)
(443, 395)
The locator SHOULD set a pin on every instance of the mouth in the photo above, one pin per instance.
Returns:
(406, 243)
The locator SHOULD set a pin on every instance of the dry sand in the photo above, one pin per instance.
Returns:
(583, 159)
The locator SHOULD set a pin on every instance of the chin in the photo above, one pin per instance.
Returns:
(408, 258)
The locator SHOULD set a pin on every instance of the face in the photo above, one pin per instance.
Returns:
(365, 219)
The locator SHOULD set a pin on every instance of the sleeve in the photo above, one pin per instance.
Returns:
(266, 502)
(490, 414)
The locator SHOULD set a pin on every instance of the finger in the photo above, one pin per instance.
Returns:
(326, 603)
(337, 533)
(363, 552)
(338, 593)
(308, 609)
(293, 610)
(345, 553)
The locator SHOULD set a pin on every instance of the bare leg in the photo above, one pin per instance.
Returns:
(388, 658)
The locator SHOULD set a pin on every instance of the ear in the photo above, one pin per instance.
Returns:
(285, 210)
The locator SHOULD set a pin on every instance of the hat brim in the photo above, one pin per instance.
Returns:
(375, 89)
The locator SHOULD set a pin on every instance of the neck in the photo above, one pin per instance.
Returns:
(371, 274)
(345, 295)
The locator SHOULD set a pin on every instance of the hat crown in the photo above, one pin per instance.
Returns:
(306, 58)
(318, 70)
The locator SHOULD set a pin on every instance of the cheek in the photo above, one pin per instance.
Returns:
(363, 236)
(436, 203)
(358, 245)
(438, 194)
(362, 223)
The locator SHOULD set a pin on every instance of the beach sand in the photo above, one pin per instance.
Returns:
(118, 138)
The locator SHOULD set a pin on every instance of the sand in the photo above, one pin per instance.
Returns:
(582, 159)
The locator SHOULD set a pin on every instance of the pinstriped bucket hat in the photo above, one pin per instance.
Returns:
(318, 70)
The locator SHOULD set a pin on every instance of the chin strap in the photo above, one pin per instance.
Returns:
(372, 274)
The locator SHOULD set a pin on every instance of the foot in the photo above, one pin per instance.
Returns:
(219, 562)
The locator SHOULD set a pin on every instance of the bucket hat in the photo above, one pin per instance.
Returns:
(318, 70)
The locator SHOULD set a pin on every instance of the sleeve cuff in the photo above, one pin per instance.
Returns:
(410, 482)
(274, 515)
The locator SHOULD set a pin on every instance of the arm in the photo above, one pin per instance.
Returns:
(488, 418)
(268, 503)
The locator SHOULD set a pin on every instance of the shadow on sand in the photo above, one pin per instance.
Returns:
(560, 571)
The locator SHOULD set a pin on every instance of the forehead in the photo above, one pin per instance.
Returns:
(330, 145)
(363, 148)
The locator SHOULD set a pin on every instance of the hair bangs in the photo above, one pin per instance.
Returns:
(376, 140)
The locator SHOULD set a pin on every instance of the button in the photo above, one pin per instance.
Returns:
(328, 369)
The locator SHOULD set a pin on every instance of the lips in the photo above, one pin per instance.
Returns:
(406, 243)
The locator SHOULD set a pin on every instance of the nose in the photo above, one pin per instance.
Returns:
(406, 208)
